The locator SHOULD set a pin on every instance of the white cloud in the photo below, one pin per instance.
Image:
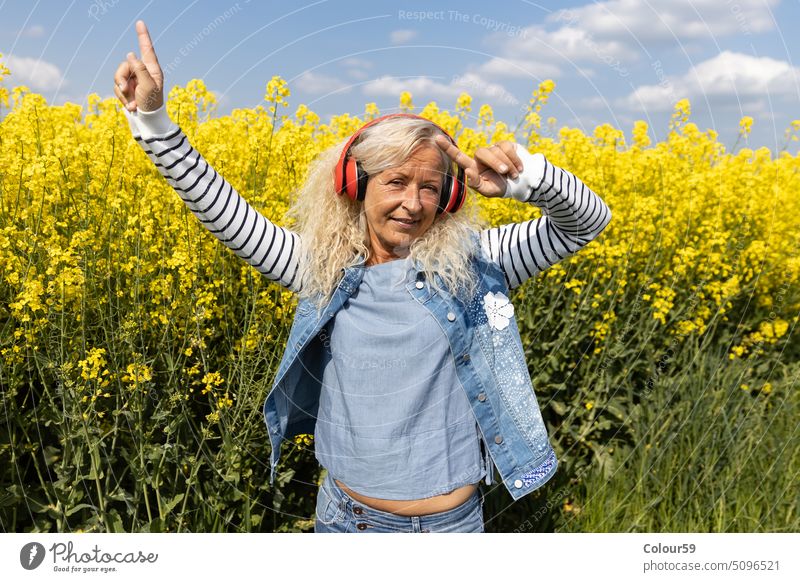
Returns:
(35, 31)
(478, 86)
(542, 53)
(744, 74)
(424, 88)
(34, 73)
(356, 67)
(316, 83)
(357, 74)
(388, 85)
(595, 102)
(610, 35)
(635, 21)
(728, 77)
(578, 44)
(515, 67)
(357, 62)
(402, 36)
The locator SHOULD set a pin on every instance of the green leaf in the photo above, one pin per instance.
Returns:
(94, 475)
(170, 505)
(78, 507)
(12, 496)
(615, 410)
(114, 522)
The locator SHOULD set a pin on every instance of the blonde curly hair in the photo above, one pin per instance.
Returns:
(334, 230)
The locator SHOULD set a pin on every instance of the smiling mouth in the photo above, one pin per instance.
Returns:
(405, 221)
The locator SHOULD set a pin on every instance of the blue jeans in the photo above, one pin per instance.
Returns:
(337, 512)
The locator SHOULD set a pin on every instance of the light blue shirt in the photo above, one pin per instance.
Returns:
(393, 423)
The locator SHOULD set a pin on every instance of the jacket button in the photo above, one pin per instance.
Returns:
(419, 285)
(358, 510)
(465, 358)
(361, 526)
(481, 396)
(451, 316)
(498, 439)
(518, 483)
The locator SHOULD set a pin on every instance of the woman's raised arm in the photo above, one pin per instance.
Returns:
(273, 250)
(572, 216)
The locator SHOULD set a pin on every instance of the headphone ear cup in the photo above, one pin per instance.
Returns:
(447, 193)
(362, 179)
(351, 178)
(338, 178)
(459, 189)
(458, 192)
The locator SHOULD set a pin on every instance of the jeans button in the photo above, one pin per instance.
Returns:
(358, 510)
(481, 396)
(498, 439)
(361, 526)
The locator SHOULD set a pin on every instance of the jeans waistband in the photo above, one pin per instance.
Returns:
(350, 504)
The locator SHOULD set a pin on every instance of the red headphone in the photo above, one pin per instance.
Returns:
(350, 179)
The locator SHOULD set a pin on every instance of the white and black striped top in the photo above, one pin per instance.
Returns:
(572, 215)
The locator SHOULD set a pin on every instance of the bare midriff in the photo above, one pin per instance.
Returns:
(415, 507)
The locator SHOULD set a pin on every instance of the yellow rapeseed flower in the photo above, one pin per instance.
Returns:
(485, 116)
(745, 125)
(137, 374)
(371, 111)
(92, 366)
(210, 381)
(464, 102)
(406, 103)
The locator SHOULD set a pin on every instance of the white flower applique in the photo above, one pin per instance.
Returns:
(498, 309)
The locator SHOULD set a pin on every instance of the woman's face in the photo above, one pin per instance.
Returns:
(401, 203)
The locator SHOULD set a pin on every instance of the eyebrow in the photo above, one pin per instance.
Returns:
(405, 173)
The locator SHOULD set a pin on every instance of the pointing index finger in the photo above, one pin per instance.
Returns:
(145, 43)
(455, 154)
(470, 166)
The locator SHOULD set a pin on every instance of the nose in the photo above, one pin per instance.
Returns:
(411, 199)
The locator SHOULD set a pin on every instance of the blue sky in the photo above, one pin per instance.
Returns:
(613, 61)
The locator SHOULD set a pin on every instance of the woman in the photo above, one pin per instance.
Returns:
(404, 358)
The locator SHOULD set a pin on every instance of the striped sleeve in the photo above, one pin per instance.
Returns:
(572, 216)
(271, 249)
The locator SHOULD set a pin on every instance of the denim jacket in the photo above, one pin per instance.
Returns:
(489, 359)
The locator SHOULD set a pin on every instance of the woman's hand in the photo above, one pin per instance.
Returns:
(140, 83)
(486, 173)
